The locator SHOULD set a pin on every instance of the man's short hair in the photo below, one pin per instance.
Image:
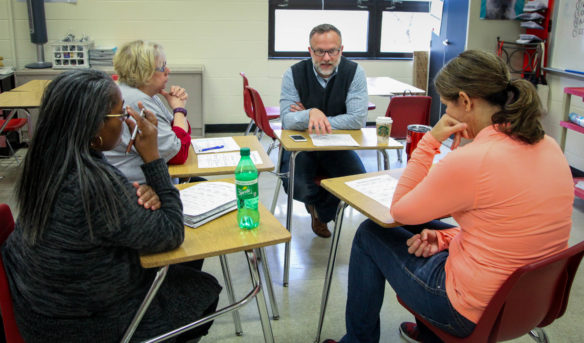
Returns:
(323, 28)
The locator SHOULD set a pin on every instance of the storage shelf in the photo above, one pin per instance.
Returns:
(572, 126)
(578, 91)
(565, 124)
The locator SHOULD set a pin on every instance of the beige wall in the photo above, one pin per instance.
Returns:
(226, 36)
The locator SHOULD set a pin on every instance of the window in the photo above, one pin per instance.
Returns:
(370, 28)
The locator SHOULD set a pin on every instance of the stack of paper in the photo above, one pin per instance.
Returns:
(102, 56)
(379, 188)
(228, 159)
(206, 201)
(213, 145)
(333, 140)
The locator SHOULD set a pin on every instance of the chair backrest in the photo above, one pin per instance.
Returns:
(407, 110)
(533, 296)
(247, 106)
(10, 328)
(261, 117)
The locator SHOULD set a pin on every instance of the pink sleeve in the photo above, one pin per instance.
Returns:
(185, 143)
(423, 195)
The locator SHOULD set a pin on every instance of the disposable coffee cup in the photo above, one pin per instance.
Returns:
(383, 129)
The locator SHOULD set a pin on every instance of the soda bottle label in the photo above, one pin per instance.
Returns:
(247, 193)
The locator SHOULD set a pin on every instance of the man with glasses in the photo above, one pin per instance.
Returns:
(320, 94)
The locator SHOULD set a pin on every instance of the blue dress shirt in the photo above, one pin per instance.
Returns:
(357, 103)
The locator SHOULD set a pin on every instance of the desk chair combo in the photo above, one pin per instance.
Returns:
(530, 299)
(272, 112)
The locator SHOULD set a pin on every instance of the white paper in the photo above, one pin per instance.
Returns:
(228, 143)
(379, 188)
(333, 140)
(229, 159)
(580, 185)
(206, 196)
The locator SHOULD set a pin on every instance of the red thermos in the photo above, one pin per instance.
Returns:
(415, 133)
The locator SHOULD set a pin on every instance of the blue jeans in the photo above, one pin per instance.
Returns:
(380, 254)
(327, 164)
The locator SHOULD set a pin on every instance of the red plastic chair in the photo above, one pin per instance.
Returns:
(273, 112)
(10, 328)
(531, 298)
(407, 110)
(12, 125)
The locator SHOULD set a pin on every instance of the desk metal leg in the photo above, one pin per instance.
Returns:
(160, 275)
(268, 282)
(385, 159)
(279, 181)
(330, 267)
(230, 294)
(289, 216)
(260, 299)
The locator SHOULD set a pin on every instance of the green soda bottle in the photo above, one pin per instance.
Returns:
(246, 185)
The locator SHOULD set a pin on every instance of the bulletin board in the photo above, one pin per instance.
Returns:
(568, 35)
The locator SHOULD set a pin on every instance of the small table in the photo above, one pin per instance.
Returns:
(216, 238)
(367, 139)
(386, 86)
(25, 97)
(191, 167)
(35, 86)
(369, 207)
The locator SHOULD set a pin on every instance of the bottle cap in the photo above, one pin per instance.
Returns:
(244, 152)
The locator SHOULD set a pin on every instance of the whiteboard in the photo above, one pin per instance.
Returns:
(568, 35)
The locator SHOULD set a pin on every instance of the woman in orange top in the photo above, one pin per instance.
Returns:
(510, 191)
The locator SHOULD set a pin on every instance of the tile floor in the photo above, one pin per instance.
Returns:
(299, 303)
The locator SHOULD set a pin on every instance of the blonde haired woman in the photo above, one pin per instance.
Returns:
(143, 74)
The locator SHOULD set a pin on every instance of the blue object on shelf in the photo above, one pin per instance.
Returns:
(576, 119)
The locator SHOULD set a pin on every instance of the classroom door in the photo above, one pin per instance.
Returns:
(444, 47)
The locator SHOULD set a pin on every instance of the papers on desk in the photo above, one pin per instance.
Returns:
(333, 140)
(227, 143)
(379, 188)
(206, 201)
(229, 159)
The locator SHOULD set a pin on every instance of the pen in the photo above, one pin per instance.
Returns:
(575, 71)
(134, 133)
(212, 148)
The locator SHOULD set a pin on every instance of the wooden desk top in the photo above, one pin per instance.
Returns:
(191, 168)
(32, 86)
(366, 137)
(386, 86)
(369, 207)
(20, 99)
(220, 236)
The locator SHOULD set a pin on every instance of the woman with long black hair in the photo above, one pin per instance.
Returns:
(73, 259)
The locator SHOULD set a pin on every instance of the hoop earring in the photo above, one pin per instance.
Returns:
(93, 145)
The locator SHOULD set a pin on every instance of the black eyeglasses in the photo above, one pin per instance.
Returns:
(332, 52)
(124, 115)
(161, 69)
